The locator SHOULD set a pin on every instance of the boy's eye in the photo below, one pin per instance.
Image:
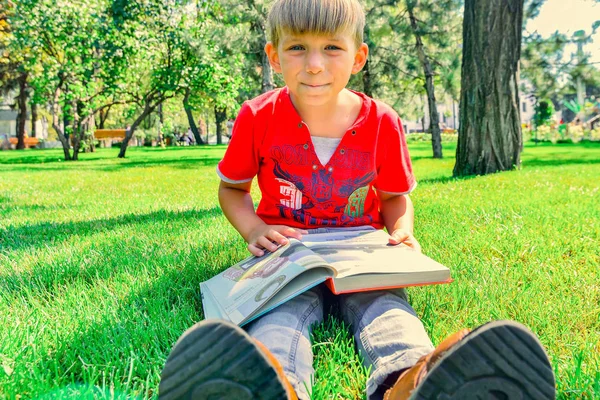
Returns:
(296, 47)
(332, 47)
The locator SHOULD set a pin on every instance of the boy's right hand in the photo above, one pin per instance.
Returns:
(269, 237)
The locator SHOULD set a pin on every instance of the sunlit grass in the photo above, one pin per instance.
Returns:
(100, 262)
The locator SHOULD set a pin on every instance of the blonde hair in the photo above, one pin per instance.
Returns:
(321, 17)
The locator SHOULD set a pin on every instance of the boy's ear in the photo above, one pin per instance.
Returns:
(273, 57)
(360, 58)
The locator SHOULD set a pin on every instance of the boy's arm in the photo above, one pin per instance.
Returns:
(398, 216)
(237, 205)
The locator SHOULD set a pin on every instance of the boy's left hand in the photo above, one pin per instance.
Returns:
(402, 236)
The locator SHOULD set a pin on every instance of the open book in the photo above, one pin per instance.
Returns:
(348, 260)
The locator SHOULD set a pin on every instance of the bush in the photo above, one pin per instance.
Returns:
(544, 110)
(562, 134)
(426, 137)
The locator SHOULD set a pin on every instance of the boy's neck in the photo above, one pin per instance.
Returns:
(331, 119)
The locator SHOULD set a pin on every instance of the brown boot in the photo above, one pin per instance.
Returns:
(498, 360)
(215, 359)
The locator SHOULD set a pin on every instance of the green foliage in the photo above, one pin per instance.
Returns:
(74, 64)
(544, 70)
(394, 72)
(541, 64)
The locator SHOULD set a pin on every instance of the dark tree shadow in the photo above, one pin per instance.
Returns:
(38, 235)
(51, 156)
(558, 162)
(445, 179)
(179, 163)
(46, 279)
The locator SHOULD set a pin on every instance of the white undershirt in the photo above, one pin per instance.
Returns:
(325, 147)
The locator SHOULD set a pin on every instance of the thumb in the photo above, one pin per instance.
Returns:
(398, 236)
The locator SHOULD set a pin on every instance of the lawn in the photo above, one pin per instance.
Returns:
(101, 260)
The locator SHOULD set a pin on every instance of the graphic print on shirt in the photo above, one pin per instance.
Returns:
(292, 197)
(303, 196)
(356, 202)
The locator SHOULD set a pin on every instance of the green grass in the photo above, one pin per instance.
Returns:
(100, 262)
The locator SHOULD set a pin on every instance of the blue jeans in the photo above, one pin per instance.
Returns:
(389, 335)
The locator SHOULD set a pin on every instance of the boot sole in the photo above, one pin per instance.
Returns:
(217, 360)
(499, 360)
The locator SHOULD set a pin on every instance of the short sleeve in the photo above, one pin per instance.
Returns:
(394, 168)
(240, 162)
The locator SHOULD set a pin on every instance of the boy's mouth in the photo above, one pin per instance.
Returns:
(316, 86)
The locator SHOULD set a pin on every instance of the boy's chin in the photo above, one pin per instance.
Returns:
(313, 100)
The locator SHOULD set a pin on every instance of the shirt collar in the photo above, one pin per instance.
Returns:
(293, 117)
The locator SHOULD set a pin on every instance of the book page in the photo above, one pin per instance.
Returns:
(239, 291)
(300, 284)
(369, 253)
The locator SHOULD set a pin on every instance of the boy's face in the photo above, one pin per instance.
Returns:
(316, 68)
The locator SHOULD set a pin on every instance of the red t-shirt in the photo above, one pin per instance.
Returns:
(270, 140)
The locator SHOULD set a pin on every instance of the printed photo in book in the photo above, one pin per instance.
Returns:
(348, 260)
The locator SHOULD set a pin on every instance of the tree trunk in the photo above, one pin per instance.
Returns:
(34, 118)
(103, 116)
(88, 133)
(77, 133)
(366, 73)
(76, 142)
(366, 78)
(64, 140)
(190, 117)
(453, 114)
(44, 122)
(207, 128)
(22, 115)
(148, 108)
(267, 73)
(434, 118)
(220, 118)
(489, 136)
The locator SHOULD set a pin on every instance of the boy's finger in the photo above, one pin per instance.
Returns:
(398, 237)
(255, 250)
(278, 237)
(266, 243)
(292, 232)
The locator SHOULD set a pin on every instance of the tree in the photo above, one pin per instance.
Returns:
(397, 44)
(152, 42)
(213, 76)
(252, 14)
(13, 74)
(436, 137)
(542, 65)
(76, 67)
(490, 138)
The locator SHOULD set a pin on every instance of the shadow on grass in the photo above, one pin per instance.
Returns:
(179, 163)
(47, 156)
(46, 279)
(558, 162)
(446, 179)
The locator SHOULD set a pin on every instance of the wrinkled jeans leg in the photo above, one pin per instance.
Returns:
(285, 331)
(388, 333)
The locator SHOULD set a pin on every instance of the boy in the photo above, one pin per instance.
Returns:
(326, 156)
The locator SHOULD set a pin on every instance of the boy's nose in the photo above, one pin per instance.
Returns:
(314, 63)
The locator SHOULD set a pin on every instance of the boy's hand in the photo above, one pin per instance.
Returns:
(270, 236)
(402, 236)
